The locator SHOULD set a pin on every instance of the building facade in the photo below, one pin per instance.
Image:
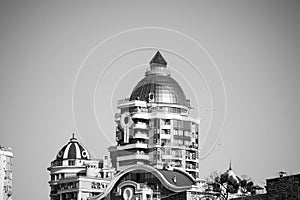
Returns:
(284, 187)
(6, 157)
(154, 126)
(74, 175)
(156, 155)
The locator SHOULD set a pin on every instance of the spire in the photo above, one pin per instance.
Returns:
(158, 59)
(230, 165)
(158, 66)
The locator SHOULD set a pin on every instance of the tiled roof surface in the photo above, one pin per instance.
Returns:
(181, 178)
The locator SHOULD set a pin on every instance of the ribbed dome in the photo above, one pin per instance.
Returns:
(158, 86)
(73, 150)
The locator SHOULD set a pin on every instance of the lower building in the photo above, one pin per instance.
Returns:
(6, 157)
(76, 176)
(144, 182)
(279, 188)
(284, 187)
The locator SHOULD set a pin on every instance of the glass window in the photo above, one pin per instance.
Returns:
(175, 132)
(180, 132)
(167, 122)
(71, 162)
(156, 123)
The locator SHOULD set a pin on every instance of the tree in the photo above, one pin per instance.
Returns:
(228, 183)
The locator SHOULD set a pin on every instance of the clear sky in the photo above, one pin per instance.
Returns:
(255, 44)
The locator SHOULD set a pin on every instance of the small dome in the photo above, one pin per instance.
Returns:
(158, 86)
(233, 177)
(73, 150)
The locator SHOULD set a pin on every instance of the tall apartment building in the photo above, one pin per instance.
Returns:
(154, 126)
(6, 157)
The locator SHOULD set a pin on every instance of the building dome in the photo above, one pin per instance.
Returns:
(158, 86)
(73, 150)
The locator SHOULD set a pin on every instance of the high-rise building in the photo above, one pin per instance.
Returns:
(154, 125)
(6, 157)
(156, 153)
(77, 176)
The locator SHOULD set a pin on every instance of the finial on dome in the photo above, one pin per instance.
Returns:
(158, 59)
(73, 137)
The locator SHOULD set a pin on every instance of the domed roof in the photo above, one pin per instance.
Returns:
(158, 86)
(73, 150)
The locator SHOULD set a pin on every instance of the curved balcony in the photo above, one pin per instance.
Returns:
(140, 135)
(192, 169)
(192, 148)
(134, 157)
(166, 126)
(176, 157)
(166, 156)
(140, 126)
(140, 115)
(190, 159)
(165, 136)
(133, 146)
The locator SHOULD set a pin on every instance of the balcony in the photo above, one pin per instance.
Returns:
(133, 146)
(123, 103)
(168, 157)
(134, 157)
(192, 148)
(165, 136)
(177, 157)
(190, 159)
(140, 135)
(166, 126)
(140, 126)
(177, 164)
(192, 169)
(139, 109)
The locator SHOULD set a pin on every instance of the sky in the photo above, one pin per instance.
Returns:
(57, 76)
